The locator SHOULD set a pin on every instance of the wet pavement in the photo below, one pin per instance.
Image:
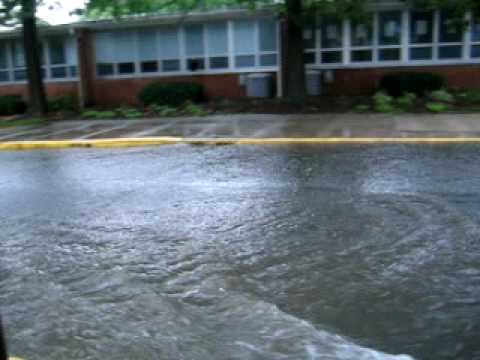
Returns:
(242, 252)
(258, 126)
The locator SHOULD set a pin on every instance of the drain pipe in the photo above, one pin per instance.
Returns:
(3, 345)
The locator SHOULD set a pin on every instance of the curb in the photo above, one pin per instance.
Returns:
(136, 142)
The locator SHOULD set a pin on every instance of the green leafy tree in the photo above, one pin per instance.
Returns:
(23, 12)
(296, 14)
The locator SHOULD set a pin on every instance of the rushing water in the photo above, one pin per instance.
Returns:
(242, 253)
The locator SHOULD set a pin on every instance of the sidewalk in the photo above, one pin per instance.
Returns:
(257, 127)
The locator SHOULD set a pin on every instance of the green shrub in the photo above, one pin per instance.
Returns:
(383, 103)
(436, 107)
(66, 102)
(406, 101)
(469, 95)
(398, 83)
(11, 105)
(171, 94)
(194, 110)
(165, 110)
(130, 113)
(99, 115)
(442, 96)
(361, 108)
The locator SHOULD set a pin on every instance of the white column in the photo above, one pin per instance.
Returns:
(405, 35)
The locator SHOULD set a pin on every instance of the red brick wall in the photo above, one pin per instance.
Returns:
(52, 89)
(366, 81)
(115, 92)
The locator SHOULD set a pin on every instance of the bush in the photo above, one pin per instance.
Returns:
(419, 83)
(165, 110)
(130, 113)
(383, 103)
(171, 94)
(406, 101)
(436, 107)
(66, 102)
(11, 105)
(99, 115)
(469, 95)
(194, 110)
(442, 96)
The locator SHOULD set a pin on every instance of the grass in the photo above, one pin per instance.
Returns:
(23, 122)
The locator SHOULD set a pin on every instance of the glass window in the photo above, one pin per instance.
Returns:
(362, 34)
(450, 52)
(170, 65)
(56, 50)
(194, 42)
(268, 60)
(450, 30)
(104, 69)
(147, 45)
(3, 56)
(169, 44)
(244, 36)
(195, 64)
(149, 66)
(390, 28)
(104, 47)
(59, 72)
(421, 53)
(309, 58)
(332, 34)
(126, 68)
(244, 61)
(71, 51)
(268, 35)
(309, 37)
(332, 57)
(20, 75)
(4, 76)
(389, 55)
(362, 56)
(476, 28)
(18, 54)
(475, 51)
(217, 38)
(218, 62)
(124, 45)
(421, 27)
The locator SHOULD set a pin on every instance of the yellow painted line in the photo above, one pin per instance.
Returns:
(132, 142)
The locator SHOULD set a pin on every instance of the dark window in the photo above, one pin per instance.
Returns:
(332, 57)
(243, 61)
(450, 52)
(309, 58)
(195, 64)
(268, 60)
(475, 51)
(104, 69)
(451, 30)
(421, 27)
(20, 75)
(219, 62)
(170, 65)
(423, 53)
(4, 76)
(126, 68)
(73, 71)
(389, 54)
(59, 72)
(362, 56)
(149, 66)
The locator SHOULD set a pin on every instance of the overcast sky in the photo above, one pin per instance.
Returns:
(58, 11)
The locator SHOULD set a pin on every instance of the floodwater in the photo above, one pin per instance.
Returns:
(242, 252)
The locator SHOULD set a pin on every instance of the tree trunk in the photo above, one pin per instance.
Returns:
(293, 58)
(3, 346)
(36, 90)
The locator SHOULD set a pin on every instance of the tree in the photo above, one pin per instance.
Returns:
(13, 12)
(296, 14)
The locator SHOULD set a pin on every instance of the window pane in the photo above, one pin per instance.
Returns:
(244, 37)
(168, 41)
(332, 57)
(195, 64)
(362, 56)
(268, 35)
(71, 51)
(220, 62)
(104, 69)
(309, 37)
(331, 34)
(170, 65)
(217, 38)
(126, 68)
(57, 51)
(362, 34)
(4, 76)
(475, 51)
(123, 46)
(476, 28)
(389, 54)
(3, 56)
(18, 55)
(245, 61)
(450, 52)
(423, 53)
(390, 28)
(59, 72)
(147, 45)
(73, 71)
(149, 66)
(194, 44)
(20, 75)
(309, 58)
(268, 60)
(104, 47)
(450, 30)
(421, 27)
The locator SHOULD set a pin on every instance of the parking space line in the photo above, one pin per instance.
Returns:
(103, 131)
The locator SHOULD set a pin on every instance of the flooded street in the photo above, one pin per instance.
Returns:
(242, 252)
